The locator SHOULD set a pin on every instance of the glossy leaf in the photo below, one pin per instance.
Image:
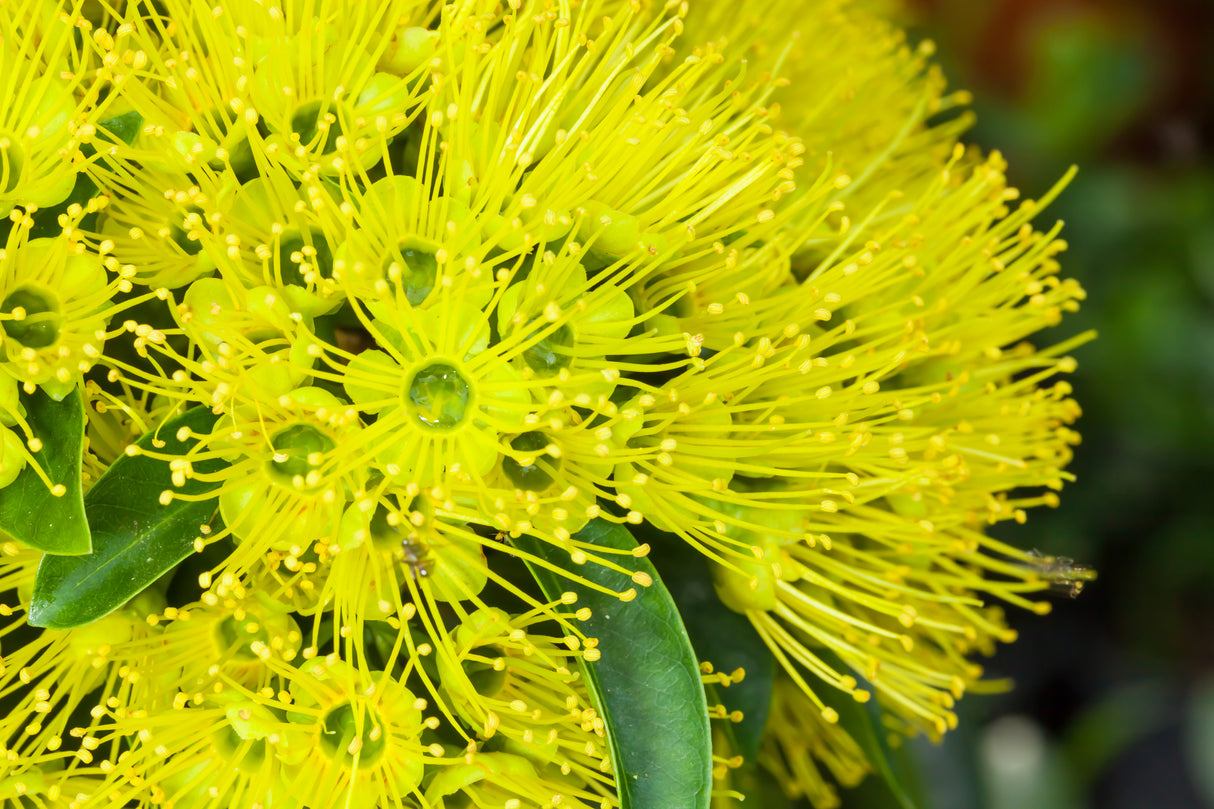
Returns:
(122, 127)
(135, 538)
(29, 512)
(646, 684)
(720, 636)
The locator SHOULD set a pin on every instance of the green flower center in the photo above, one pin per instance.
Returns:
(487, 680)
(317, 125)
(295, 251)
(12, 162)
(551, 354)
(236, 637)
(413, 268)
(439, 396)
(298, 450)
(537, 475)
(39, 327)
(340, 735)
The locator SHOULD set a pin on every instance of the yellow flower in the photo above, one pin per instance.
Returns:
(158, 219)
(392, 542)
(573, 357)
(56, 300)
(302, 226)
(51, 107)
(399, 233)
(246, 342)
(502, 675)
(365, 728)
(492, 779)
(842, 475)
(802, 748)
(54, 673)
(229, 636)
(437, 389)
(292, 463)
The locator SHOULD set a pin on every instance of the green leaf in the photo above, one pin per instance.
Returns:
(863, 722)
(29, 512)
(720, 636)
(646, 684)
(122, 128)
(135, 538)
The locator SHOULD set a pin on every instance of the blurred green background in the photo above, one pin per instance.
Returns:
(1114, 699)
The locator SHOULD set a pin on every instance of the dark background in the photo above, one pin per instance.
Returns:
(1114, 704)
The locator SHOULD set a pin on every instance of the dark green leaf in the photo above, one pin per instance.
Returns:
(135, 538)
(122, 128)
(863, 722)
(646, 684)
(29, 512)
(720, 636)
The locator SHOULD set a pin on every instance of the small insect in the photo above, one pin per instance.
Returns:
(413, 554)
(1064, 576)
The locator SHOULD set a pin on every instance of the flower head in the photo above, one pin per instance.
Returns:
(52, 103)
(57, 300)
(438, 277)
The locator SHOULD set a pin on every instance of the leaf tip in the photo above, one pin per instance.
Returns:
(37, 615)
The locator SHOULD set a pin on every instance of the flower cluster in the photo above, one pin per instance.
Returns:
(448, 275)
